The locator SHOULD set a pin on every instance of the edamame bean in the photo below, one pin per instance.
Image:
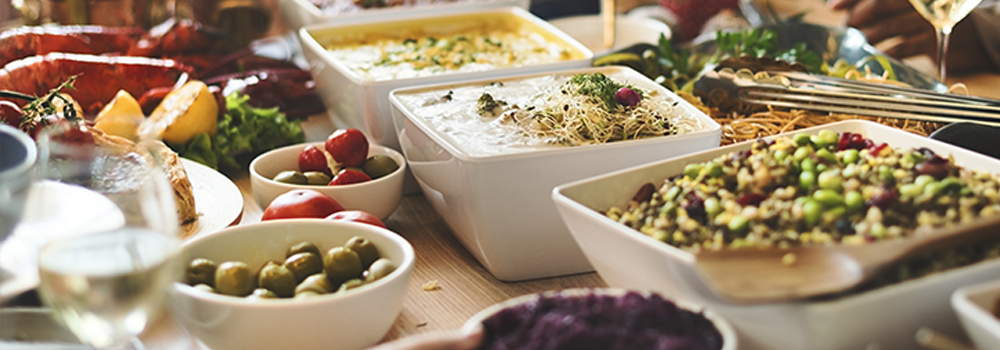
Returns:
(829, 198)
(830, 180)
(802, 152)
(807, 180)
(851, 156)
(692, 170)
(801, 139)
(854, 200)
(739, 224)
(812, 212)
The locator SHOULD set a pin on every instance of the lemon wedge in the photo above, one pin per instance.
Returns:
(121, 117)
(183, 114)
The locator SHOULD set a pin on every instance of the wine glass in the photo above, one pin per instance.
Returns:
(107, 284)
(943, 15)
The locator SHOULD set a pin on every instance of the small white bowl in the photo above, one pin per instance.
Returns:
(729, 341)
(350, 320)
(379, 197)
(629, 30)
(974, 306)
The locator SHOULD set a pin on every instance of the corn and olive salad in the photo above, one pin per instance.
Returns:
(806, 190)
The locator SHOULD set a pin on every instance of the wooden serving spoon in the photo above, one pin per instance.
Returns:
(774, 275)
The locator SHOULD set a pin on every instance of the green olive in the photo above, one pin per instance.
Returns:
(380, 268)
(379, 165)
(342, 264)
(317, 283)
(277, 279)
(204, 288)
(262, 293)
(200, 270)
(303, 247)
(291, 177)
(304, 264)
(351, 284)
(366, 250)
(317, 178)
(234, 278)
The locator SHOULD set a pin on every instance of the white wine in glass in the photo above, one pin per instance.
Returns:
(943, 15)
(106, 286)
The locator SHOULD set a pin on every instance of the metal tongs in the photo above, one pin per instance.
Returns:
(821, 93)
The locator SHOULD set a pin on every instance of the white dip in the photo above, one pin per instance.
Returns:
(458, 118)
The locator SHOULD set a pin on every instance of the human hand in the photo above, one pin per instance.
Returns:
(437, 341)
(880, 20)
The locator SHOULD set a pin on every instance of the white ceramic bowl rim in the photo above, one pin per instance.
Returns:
(457, 152)
(409, 257)
(726, 331)
(396, 156)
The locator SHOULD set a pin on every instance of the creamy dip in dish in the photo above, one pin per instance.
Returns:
(517, 116)
(467, 51)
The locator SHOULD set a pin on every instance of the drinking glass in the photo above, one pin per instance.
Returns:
(106, 286)
(943, 15)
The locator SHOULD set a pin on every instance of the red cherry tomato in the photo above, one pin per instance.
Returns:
(356, 216)
(348, 176)
(313, 159)
(349, 147)
(301, 203)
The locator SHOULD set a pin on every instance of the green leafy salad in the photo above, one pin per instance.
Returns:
(244, 132)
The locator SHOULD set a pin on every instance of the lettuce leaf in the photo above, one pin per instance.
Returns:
(244, 132)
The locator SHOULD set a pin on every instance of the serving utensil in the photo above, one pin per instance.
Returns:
(804, 91)
(773, 275)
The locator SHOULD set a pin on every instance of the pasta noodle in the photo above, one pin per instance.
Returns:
(748, 122)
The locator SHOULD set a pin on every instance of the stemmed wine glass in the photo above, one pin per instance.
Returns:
(943, 15)
(106, 285)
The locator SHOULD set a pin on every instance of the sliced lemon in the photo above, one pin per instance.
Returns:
(121, 117)
(183, 114)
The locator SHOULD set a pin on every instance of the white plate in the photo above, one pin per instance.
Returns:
(218, 201)
(216, 198)
(629, 30)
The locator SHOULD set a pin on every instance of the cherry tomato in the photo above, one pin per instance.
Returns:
(313, 159)
(356, 216)
(348, 176)
(301, 203)
(349, 147)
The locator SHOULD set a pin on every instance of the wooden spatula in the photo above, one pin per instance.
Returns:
(773, 275)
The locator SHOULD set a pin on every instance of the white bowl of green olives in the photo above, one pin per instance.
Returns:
(262, 286)
(269, 178)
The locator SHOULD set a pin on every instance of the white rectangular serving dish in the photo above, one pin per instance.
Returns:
(887, 317)
(363, 103)
(498, 206)
(299, 13)
(974, 305)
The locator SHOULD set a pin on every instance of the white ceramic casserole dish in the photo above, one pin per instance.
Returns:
(299, 13)
(498, 206)
(887, 317)
(363, 103)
